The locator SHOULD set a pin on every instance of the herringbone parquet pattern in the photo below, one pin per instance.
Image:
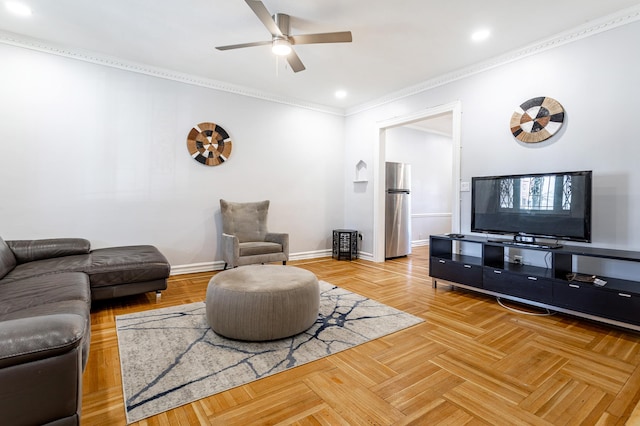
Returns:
(471, 362)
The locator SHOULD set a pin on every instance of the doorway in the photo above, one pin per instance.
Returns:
(453, 109)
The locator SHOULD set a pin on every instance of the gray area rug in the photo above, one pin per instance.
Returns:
(170, 357)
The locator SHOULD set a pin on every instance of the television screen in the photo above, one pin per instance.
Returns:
(552, 205)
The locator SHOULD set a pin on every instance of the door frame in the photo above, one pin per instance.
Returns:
(379, 158)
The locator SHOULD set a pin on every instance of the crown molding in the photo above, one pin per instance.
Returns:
(623, 17)
(167, 74)
(597, 26)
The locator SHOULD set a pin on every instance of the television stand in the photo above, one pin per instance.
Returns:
(483, 265)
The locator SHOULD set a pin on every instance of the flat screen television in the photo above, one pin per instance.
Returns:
(549, 205)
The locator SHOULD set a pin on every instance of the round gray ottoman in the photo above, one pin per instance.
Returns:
(262, 302)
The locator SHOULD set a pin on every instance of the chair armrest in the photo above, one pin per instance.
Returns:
(230, 249)
(280, 238)
(30, 339)
(32, 250)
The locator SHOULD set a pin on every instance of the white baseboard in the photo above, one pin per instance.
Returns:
(218, 265)
(419, 243)
(310, 254)
(196, 267)
(365, 256)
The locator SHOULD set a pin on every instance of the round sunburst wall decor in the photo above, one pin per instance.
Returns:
(209, 144)
(537, 119)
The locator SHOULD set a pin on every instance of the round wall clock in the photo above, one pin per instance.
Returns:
(209, 144)
(537, 119)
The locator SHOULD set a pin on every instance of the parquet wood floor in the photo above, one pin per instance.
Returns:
(472, 362)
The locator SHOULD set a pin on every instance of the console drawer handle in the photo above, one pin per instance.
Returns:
(624, 295)
(467, 266)
(442, 261)
(532, 278)
(574, 285)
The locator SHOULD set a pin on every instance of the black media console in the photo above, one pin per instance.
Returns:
(556, 286)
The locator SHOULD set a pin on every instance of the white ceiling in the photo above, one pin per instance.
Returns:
(395, 44)
(441, 124)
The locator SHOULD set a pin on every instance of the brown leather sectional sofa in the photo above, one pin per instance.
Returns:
(46, 289)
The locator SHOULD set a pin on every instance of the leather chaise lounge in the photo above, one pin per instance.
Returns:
(46, 289)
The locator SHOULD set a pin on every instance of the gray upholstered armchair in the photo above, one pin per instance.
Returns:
(245, 239)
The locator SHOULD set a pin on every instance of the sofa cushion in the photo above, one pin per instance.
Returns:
(126, 265)
(43, 297)
(39, 295)
(7, 259)
(56, 265)
(32, 250)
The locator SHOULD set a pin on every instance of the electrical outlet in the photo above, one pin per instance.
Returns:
(517, 259)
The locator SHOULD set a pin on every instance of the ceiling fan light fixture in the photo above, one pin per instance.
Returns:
(281, 47)
(281, 42)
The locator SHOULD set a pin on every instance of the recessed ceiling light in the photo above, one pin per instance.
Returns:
(341, 94)
(18, 8)
(480, 35)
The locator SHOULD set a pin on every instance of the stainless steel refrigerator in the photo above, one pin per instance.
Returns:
(397, 210)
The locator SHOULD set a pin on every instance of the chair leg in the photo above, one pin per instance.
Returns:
(225, 266)
(284, 262)
(158, 296)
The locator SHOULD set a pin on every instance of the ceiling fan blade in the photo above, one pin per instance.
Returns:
(263, 14)
(240, 46)
(338, 37)
(294, 62)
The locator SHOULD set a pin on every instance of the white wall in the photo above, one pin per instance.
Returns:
(430, 157)
(96, 152)
(596, 81)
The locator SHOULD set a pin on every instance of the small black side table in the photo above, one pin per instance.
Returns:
(345, 244)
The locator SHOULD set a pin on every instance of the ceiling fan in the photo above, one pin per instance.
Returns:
(281, 41)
